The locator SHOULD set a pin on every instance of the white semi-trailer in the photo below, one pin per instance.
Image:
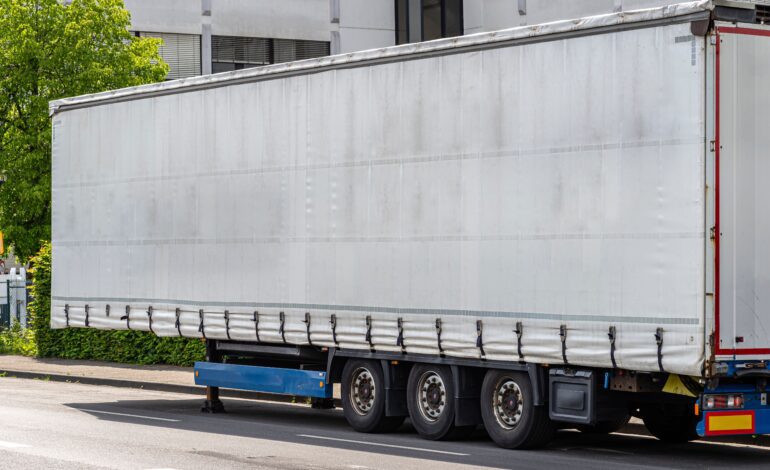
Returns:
(562, 224)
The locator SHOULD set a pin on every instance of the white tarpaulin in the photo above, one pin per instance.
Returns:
(557, 184)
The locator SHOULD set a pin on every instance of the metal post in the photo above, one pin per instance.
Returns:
(8, 302)
(212, 404)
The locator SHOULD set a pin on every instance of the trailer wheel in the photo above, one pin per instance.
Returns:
(510, 416)
(672, 423)
(430, 399)
(363, 397)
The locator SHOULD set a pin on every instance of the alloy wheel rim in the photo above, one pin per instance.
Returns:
(362, 391)
(508, 403)
(431, 396)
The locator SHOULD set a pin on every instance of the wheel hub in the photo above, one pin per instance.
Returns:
(362, 391)
(508, 403)
(431, 395)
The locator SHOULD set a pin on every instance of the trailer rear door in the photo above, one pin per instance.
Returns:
(743, 191)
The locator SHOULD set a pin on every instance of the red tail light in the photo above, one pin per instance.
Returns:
(723, 402)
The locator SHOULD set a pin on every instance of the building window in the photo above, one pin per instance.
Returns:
(182, 53)
(452, 19)
(235, 53)
(424, 20)
(431, 19)
(402, 21)
(287, 50)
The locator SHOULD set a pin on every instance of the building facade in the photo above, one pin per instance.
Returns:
(211, 36)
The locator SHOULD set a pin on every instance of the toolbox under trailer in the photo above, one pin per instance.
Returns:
(554, 225)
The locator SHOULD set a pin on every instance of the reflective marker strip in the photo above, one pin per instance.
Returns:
(379, 444)
(730, 422)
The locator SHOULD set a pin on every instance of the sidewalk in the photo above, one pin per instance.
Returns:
(163, 378)
(159, 378)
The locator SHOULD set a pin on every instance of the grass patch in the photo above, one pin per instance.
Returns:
(18, 341)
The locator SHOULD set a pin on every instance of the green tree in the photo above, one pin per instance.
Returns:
(51, 49)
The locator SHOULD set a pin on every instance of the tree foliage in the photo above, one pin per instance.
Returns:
(51, 49)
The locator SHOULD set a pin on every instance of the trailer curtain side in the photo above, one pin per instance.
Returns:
(554, 187)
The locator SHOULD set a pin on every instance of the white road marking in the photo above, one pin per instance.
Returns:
(642, 436)
(13, 445)
(732, 444)
(129, 415)
(379, 444)
(701, 442)
(601, 449)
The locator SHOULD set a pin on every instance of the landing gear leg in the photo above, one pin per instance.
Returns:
(212, 404)
(322, 403)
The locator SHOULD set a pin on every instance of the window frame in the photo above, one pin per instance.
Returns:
(408, 19)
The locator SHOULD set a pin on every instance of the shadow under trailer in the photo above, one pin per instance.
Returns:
(560, 225)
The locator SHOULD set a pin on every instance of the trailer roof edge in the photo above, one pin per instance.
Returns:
(679, 12)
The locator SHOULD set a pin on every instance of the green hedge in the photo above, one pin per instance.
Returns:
(18, 341)
(137, 347)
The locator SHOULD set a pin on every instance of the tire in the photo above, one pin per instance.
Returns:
(363, 398)
(513, 425)
(605, 427)
(430, 399)
(672, 423)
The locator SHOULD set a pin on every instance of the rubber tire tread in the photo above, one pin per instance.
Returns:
(443, 429)
(375, 421)
(535, 432)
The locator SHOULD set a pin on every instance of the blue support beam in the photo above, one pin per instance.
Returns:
(305, 383)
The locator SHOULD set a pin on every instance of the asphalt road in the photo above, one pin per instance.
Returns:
(65, 425)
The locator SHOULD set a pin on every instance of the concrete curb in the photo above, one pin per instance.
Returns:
(155, 386)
